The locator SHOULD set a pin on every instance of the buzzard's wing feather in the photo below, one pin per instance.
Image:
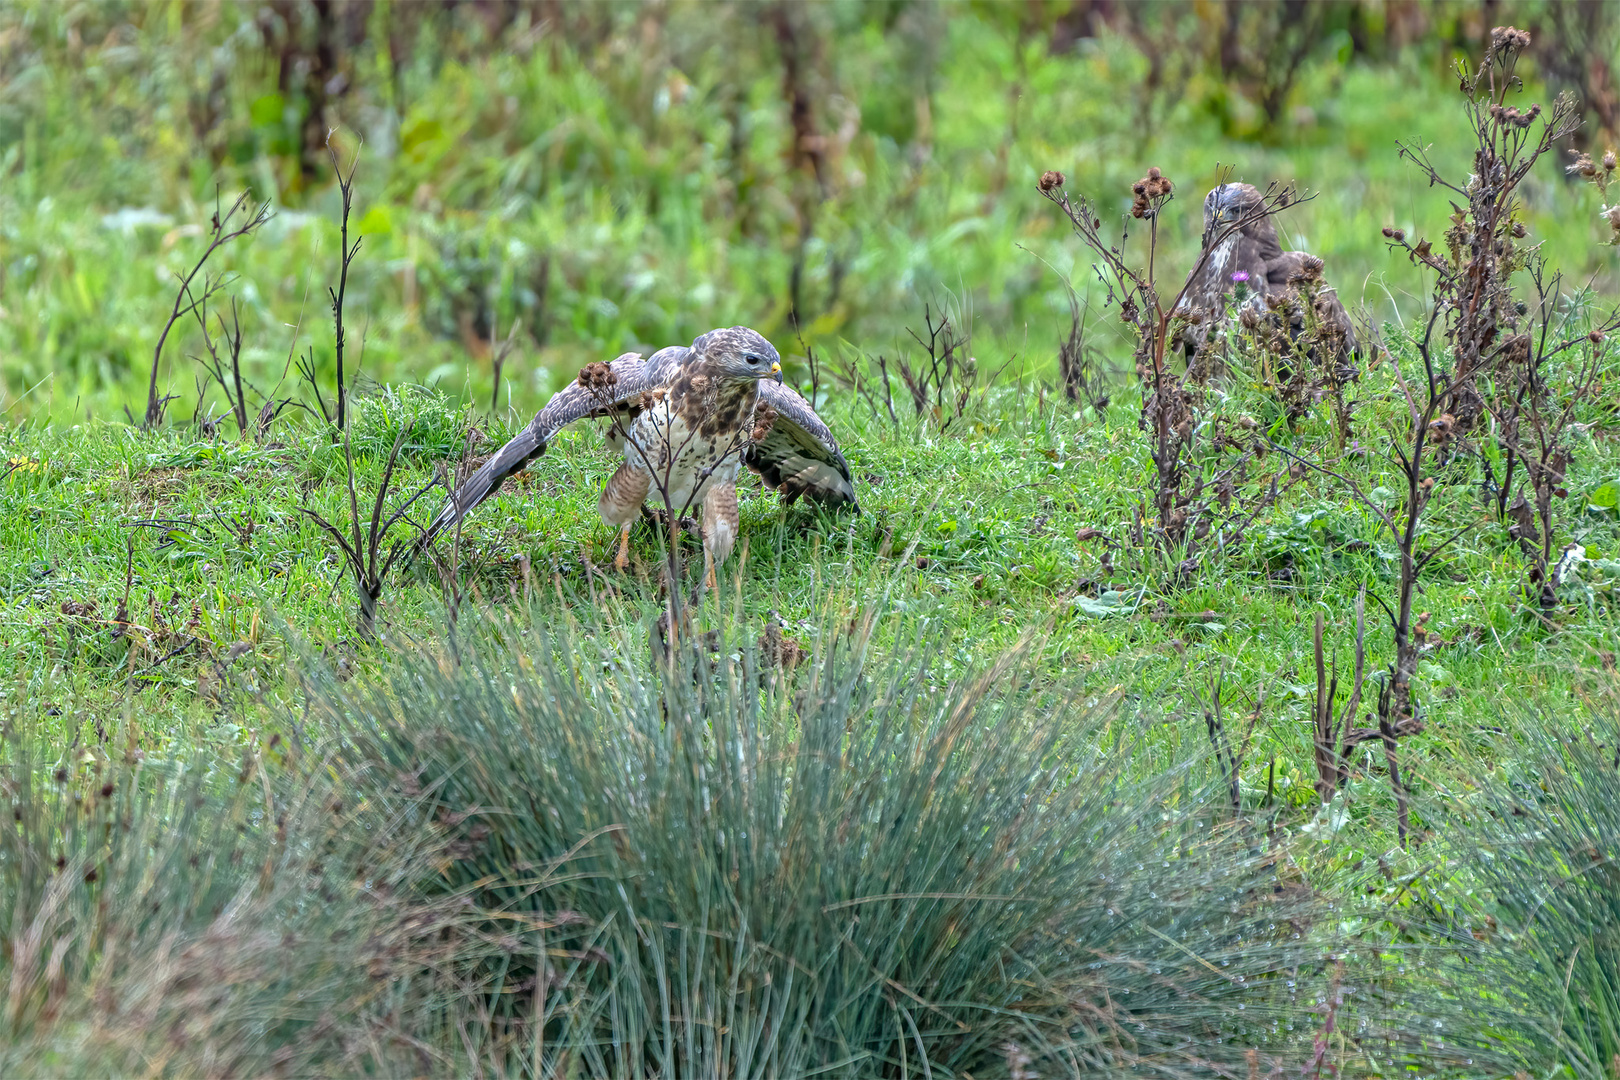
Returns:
(1281, 267)
(799, 456)
(634, 377)
(1290, 264)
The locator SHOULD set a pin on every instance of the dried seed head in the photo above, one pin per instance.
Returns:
(1609, 161)
(1051, 180)
(1519, 231)
(1504, 38)
(1394, 233)
(1583, 164)
(1508, 116)
(1311, 268)
(1595, 337)
(1154, 186)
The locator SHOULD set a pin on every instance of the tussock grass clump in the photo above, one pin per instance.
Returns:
(559, 860)
(200, 917)
(1533, 957)
(852, 868)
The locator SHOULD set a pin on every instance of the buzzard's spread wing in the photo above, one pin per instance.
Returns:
(632, 376)
(799, 456)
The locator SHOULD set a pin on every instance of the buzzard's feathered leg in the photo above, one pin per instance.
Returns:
(621, 500)
(720, 521)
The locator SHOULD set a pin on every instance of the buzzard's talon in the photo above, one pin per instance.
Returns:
(658, 518)
(621, 561)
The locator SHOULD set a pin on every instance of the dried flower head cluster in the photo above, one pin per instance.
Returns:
(1441, 429)
(1509, 39)
(1495, 71)
(1050, 181)
(597, 376)
(1309, 272)
(1600, 174)
(1150, 193)
(1392, 233)
(1511, 117)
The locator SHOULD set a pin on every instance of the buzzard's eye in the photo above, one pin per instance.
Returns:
(753, 359)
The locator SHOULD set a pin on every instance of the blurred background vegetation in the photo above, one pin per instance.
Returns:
(623, 175)
(606, 176)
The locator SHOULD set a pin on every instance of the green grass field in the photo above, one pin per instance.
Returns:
(179, 625)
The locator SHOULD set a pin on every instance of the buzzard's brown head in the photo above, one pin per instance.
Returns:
(738, 353)
(1230, 203)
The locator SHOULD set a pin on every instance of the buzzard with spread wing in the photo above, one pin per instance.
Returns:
(1252, 257)
(686, 419)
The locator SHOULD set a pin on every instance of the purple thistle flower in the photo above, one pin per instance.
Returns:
(1241, 276)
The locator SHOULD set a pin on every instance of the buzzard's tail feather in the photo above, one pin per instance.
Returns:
(511, 458)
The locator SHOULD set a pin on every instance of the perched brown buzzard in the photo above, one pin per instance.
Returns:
(1252, 262)
(685, 420)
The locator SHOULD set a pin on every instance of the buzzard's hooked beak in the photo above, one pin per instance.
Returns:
(776, 373)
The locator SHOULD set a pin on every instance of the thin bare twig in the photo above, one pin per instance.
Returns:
(221, 233)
